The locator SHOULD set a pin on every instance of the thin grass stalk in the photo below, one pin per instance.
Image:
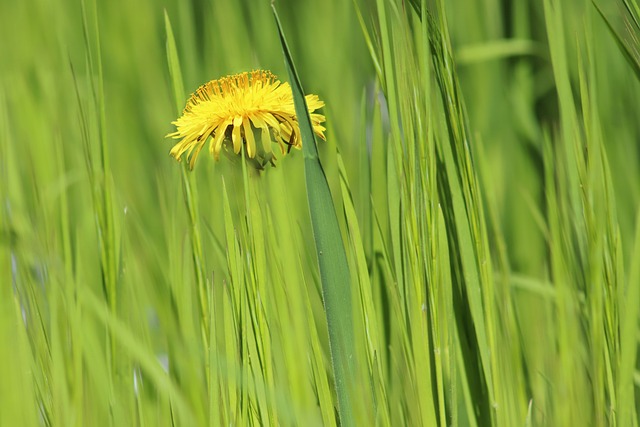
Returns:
(102, 186)
(102, 196)
(190, 192)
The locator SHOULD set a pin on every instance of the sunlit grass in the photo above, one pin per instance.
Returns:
(463, 249)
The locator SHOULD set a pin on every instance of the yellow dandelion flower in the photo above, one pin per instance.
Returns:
(252, 109)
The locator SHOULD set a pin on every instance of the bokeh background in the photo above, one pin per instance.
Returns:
(97, 276)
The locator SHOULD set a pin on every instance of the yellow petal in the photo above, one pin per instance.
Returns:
(265, 139)
(313, 102)
(194, 156)
(248, 135)
(235, 135)
(180, 148)
(270, 120)
(216, 145)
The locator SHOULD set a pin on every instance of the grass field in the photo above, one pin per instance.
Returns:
(482, 159)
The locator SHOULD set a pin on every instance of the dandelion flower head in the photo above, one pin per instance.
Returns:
(250, 109)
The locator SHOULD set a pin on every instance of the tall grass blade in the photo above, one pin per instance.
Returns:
(189, 187)
(332, 258)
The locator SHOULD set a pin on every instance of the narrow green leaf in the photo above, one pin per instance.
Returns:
(631, 53)
(174, 65)
(189, 186)
(334, 270)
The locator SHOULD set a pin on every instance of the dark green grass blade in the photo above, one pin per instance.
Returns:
(334, 270)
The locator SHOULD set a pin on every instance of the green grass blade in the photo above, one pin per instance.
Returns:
(189, 186)
(174, 65)
(101, 174)
(334, 270)
(631, 53)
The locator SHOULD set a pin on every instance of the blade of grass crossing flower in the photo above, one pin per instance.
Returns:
(334, 270)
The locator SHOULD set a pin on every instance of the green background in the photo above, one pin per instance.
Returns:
(488, 197)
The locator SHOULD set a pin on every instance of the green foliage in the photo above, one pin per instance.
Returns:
(481, 158)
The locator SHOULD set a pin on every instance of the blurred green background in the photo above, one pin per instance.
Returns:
(97, 257)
